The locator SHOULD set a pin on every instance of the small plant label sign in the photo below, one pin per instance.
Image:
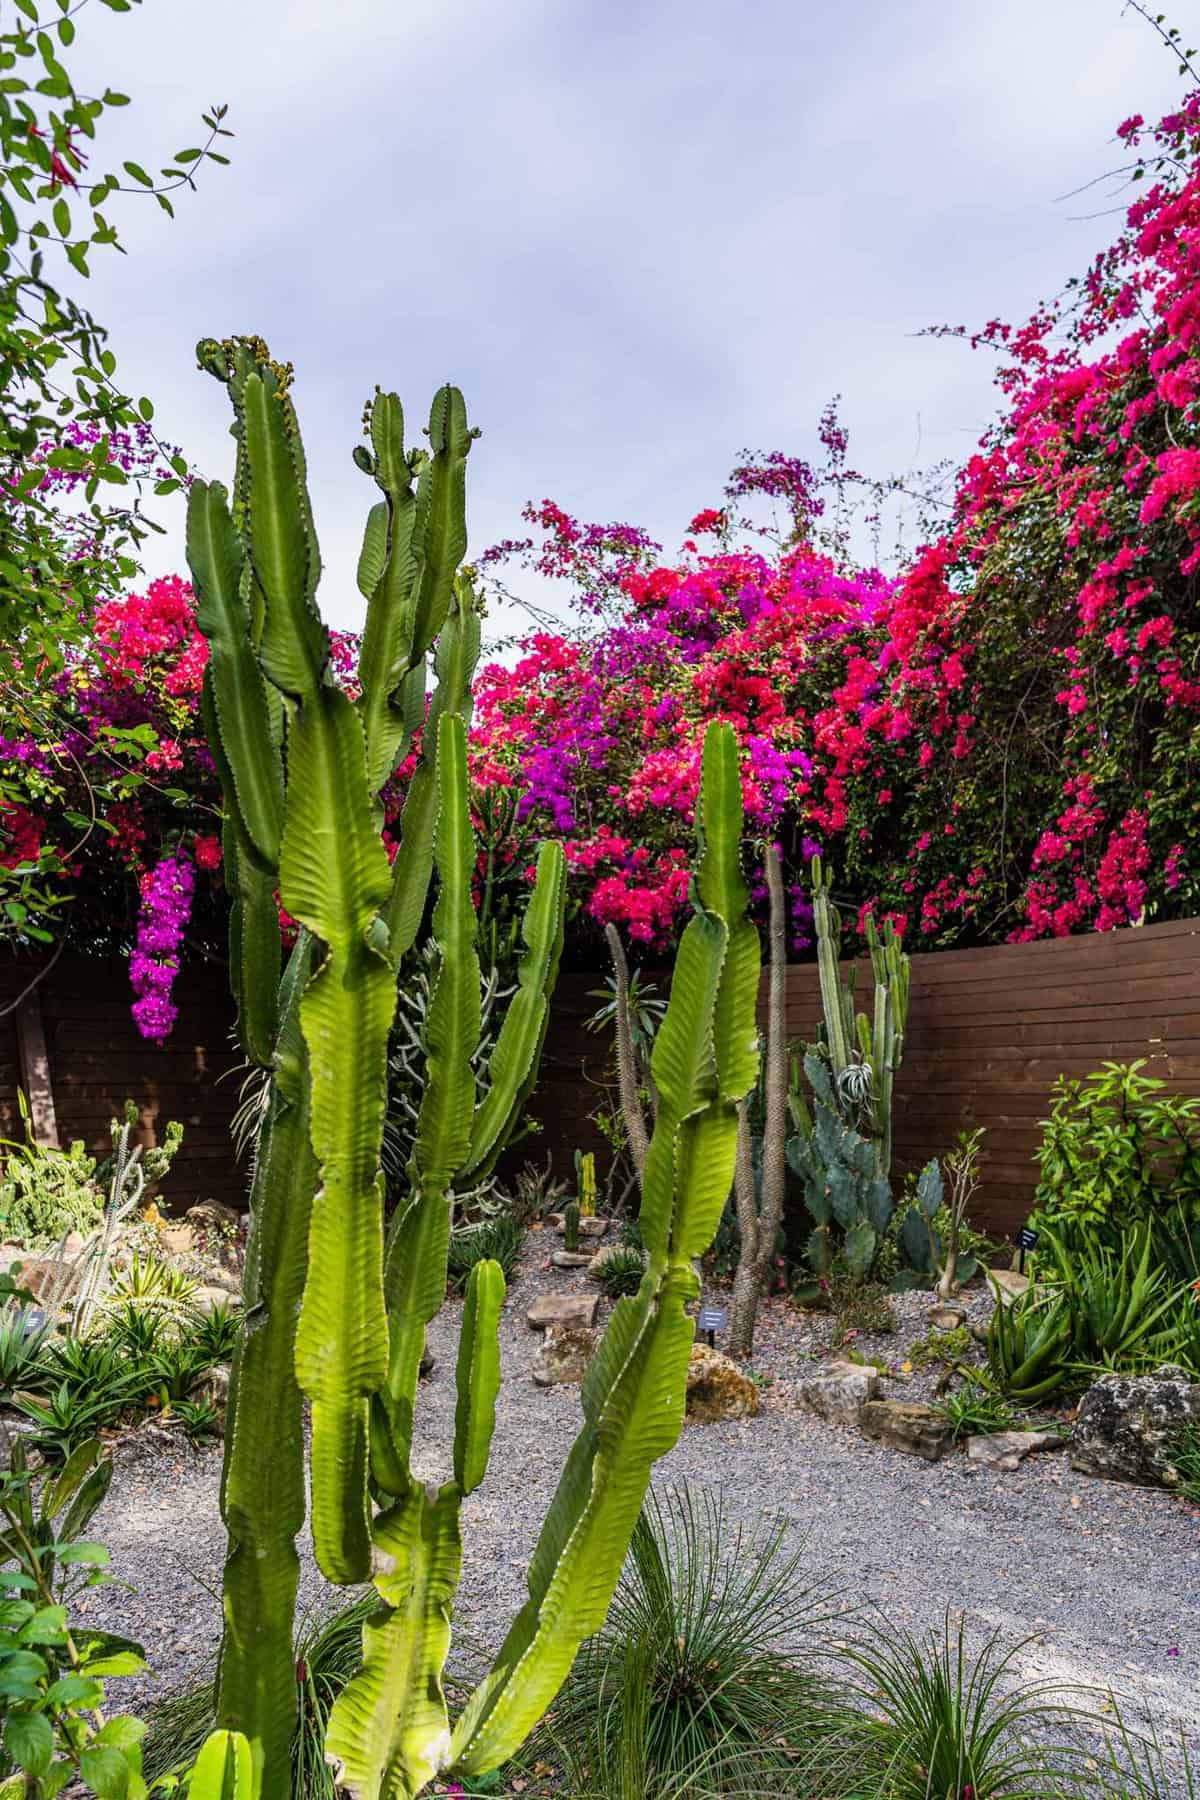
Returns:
(711, 1320)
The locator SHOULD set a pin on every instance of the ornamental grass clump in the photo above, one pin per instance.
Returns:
(703, 1680)
(337, 1306)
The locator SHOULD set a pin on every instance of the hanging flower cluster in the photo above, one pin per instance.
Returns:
(154, 964)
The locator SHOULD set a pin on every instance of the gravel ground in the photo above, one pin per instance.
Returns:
(1104, 1579)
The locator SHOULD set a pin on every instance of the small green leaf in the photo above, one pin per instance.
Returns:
(29, 1741)
(106, 1771)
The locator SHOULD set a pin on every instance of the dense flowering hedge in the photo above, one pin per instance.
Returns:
(1004, 743)
(1001, 743)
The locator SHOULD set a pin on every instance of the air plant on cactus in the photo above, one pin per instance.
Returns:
(336, 1309)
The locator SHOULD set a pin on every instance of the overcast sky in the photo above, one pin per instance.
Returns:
(639, 235)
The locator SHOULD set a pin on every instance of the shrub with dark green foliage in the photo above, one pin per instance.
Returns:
(975, 1410)
(138, 1359)
(1127, 1314)
(497, 1240)
(941, 1721)
(1118, 1149)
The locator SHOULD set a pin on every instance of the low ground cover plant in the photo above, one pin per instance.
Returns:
(139, 1357)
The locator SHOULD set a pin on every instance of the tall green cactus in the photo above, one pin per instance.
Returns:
(863, 1054)
(335, 1310)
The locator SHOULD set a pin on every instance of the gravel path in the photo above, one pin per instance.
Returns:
(1104, 1578)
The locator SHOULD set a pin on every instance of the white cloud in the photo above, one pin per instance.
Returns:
(639, 237)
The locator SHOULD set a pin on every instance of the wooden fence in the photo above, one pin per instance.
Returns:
(989, 1031)
(74, 1050)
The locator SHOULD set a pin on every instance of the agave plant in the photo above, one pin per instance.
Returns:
(335, 1310)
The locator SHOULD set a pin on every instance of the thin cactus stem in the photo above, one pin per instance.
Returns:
(632, 1116)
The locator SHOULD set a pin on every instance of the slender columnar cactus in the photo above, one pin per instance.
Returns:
(863, 1053)
(335, 1310)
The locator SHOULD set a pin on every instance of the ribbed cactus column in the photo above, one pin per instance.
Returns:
(272, 705)
(333, 1311)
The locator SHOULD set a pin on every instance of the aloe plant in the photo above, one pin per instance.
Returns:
(336, 1310)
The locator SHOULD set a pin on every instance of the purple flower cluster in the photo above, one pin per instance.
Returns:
(154, 963)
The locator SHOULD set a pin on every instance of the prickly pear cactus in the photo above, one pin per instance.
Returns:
(337, 1307)
(841, 1183)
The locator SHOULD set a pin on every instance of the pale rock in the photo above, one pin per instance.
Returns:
(1007, 1284)
(565, 1353)
(717, 1389)
(837, 1391)
(588, 1227)
(947, 1318)
(1007, 1449)
(177, 1239)
(570, 1259)
(907, 1425)
(214, 1387)
(575, 1310)
(209, 1298)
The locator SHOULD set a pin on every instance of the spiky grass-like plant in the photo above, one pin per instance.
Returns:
(498, 1239)
(942, 1721)
(691, 1687)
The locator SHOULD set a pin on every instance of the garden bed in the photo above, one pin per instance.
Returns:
(1103, 1578)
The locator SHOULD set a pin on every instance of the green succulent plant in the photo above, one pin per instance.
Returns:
(336, 1308)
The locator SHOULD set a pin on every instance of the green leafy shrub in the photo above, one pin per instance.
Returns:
(1126, 1314)
(151, 1281)
(621, 1271)
(216, 1333)
(199, 1420)
(46, 1192)
(1029, 1348)
(24, 1330)
(1118, 1149)
(496, 1240)
(53, 1666)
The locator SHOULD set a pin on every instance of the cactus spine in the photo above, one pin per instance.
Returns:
(333, 1310)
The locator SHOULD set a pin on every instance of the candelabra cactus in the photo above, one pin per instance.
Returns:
(335, 1308)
